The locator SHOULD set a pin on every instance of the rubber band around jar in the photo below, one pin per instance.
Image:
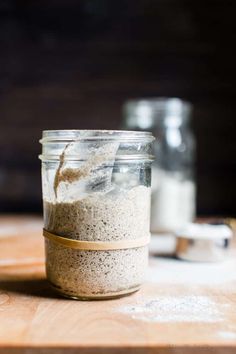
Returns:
(96, 245)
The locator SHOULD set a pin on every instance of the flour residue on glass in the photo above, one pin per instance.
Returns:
(90, 169)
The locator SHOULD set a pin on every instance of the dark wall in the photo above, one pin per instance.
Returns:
(71, 64)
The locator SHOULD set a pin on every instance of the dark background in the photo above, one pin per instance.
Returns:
(71, 64)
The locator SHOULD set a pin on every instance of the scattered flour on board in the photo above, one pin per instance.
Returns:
(171, 271)
(228, 335)
(188, 308)
(7, 230)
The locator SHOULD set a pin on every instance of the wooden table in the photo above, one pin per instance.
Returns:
(183, 308)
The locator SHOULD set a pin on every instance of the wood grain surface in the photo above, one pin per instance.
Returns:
(183, 308)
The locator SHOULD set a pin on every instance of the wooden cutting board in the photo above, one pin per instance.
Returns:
(183, 308)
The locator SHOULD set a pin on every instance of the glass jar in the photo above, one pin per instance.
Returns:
(173, 183)
(96, 197)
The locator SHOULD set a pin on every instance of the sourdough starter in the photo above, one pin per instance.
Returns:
(114, 216)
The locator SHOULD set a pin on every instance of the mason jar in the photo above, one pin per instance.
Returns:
(96, 202)
(173, 180)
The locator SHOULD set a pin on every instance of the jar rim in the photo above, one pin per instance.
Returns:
(90, 134)
(54, 141)
(147, 112)
(160, 103)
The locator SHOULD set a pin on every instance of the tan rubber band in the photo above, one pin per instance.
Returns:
(96, 245)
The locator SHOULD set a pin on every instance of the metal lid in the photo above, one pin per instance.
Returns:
(203, 242)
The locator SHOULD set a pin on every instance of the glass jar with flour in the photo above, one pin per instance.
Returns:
(96, 196)
(173, 184)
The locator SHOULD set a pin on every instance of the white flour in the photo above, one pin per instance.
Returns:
(7, 230)
(171, 271)
(188, 308)
(228, 335)
(173, 201)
